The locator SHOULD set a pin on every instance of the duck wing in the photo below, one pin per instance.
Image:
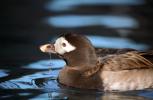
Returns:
(101, 52)
(128, 61)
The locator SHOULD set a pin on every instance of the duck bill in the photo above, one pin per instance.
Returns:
(48, 48)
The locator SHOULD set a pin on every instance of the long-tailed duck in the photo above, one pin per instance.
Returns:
(103, 69)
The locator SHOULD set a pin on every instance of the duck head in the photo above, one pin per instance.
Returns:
(75, 49)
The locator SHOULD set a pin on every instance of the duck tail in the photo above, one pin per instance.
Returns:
(147, 55)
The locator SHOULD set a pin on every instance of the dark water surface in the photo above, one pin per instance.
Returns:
(26, 73)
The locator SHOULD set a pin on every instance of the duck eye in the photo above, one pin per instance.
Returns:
(64, 44)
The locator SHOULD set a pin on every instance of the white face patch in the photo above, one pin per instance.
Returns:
(62, 46)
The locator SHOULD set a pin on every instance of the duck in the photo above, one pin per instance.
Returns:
(105, 69)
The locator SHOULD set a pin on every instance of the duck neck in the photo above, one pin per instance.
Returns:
(78, 59)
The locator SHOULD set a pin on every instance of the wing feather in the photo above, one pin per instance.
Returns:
(127, 61)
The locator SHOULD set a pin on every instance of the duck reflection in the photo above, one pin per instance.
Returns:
(104, 96)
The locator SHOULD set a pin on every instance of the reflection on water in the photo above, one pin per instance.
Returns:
(70, 21)
(58, 5)
(54, 64)
(114, 42)
(26, 81)
(3, 73)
